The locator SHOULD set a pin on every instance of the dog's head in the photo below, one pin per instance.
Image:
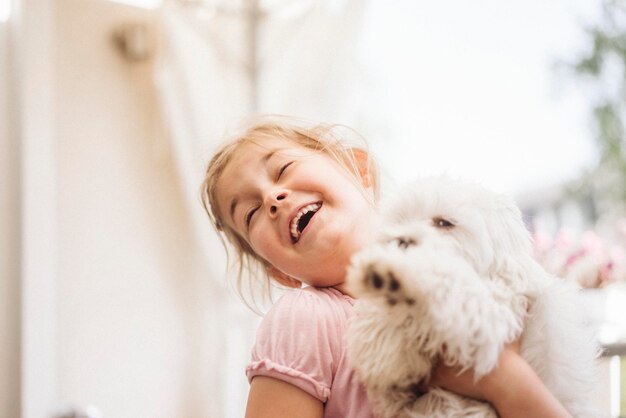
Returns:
(460, 219)
(458, 258)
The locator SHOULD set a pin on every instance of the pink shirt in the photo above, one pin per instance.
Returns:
(302, 341)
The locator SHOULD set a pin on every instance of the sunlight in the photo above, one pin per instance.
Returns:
(5, 10)
(146, 4)
(479, 107)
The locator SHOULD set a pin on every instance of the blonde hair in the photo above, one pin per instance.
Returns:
(339, 142)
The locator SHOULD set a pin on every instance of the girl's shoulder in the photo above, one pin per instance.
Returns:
(301, 340)
(312, 304)
(318, 313)
(323, 295)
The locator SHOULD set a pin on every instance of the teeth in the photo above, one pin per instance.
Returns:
(295, 234)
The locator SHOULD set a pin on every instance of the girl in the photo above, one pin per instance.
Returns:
(298, 201)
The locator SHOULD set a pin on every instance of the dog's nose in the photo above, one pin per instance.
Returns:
(405, 242)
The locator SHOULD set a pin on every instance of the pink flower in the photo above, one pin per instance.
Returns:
(587, 259)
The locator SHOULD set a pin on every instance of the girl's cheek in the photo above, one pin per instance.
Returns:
(260, 240)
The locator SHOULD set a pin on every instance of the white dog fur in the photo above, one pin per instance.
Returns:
(453, 267)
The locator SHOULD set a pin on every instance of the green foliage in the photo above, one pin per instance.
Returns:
(605, 62)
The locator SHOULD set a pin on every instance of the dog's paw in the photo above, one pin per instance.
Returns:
(373, 276)
(387, 285)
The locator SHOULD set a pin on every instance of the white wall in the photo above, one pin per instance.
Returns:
(137, 323)
(105, 298)
(33, 46)
(9, 238)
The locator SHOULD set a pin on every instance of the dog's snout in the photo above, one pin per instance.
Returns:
(405, 242)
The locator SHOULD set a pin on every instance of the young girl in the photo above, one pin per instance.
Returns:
(299, 201)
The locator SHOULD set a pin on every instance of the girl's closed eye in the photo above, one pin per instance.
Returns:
(249, 215)
(282, 169)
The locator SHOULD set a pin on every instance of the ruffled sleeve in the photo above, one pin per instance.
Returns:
(300, 341)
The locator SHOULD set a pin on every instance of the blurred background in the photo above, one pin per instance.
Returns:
(114, 297)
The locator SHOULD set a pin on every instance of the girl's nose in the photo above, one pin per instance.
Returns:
(276, 201)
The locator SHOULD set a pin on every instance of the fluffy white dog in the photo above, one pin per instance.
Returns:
(453, 268)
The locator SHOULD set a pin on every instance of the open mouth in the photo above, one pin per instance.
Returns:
(302, 219)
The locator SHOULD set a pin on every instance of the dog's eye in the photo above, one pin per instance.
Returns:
(442, 223)
(403, 242)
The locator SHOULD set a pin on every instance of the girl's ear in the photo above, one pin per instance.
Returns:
(362, 159)
(282, 278)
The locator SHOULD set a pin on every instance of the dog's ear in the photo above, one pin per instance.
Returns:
(513, 261)
(520, 276)
(507, 228)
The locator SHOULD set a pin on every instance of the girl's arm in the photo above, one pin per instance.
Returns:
(273, 398)
(513, 388)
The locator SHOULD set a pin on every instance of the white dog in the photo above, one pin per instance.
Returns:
(453, 268)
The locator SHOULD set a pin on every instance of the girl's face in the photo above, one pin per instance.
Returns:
(297, 208)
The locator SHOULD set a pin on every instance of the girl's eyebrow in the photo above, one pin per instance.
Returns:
(231, 211)
(270, 154)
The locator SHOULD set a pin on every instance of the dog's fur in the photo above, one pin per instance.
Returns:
(471, 288)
